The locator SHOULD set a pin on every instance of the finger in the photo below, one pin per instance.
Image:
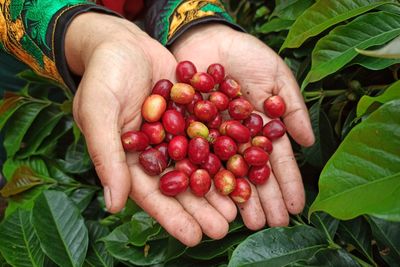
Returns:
(296, 117)
(102, 133)
(272, 202)
(288, 175)
(224, 205)
(213, 224)
(252, 212)
(166, 210)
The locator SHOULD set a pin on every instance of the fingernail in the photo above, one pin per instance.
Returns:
(107, 197)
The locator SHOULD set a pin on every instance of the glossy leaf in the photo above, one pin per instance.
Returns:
(8, 107)
(137, 231)
(391, 50)
(40, 129)
(210, 249)
(358, 233)
(36, 164)
(323, 15)
(391, 93)
(23, 179)
(50, 142)
(77, 159)
(82, 197)
(335, 50)
(275, 25)
(325, 143)
(387, 235)
(18, 242)
(278, 246)
(60, 228)
(290, 10)
(329, 258)
(97, 253)
(373, 63)
(24, 201)
(19, 124)
(364, 173)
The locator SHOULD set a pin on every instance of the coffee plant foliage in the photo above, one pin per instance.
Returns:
(345, 56)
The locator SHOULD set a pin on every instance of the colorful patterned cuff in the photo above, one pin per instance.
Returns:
(166, 20)
(27, 31)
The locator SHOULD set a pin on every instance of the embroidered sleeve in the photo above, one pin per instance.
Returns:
(166, 20)
(28, 30)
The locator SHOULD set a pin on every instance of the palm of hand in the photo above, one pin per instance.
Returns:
(261, 73)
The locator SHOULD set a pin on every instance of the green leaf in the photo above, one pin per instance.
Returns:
(77, 159)
(391, 50)
(325, 143)
(336, 49)
(9, 106)
(210, 249)
(82, 197)
(137, 231)
(60, 228)
(329, 258)
(275, 25)
(391, 93)
(22, 180)
(42, 127)
(19, 124)
(278, 246)
(387, 235)
(391, 8)
(358, 233)
(24, 201)
(18, 241)
(97, 253)
(36, 164)
(373, 63)
(323, 15)
(290, 10)
(50, 142)
(364, 173)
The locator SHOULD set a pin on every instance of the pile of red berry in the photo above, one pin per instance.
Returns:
(208, 131)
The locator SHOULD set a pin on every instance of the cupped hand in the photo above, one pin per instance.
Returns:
(119, 65)
(261, 73)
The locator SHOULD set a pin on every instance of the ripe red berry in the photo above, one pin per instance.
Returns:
(240, 109)
(217, 71)
(200, 182)
(197, 97)
(274, 129)
(197, 129)
(220, 100)
(205, 110)
(274, 106)
(242, 147)
(225, 182)
(182, 93)
(134, 141)
(230, 87)
(237, 165)
(222, 127)
(203, 82)
(152, 161)
(163, 148)
(168, 137)
(216, 122)
(198, 150)
(224, 147)
(258, 175)
(212, 136)
(177, 148)
(173, 122)
(238, 132)
(255, 156)
(254, 123)
(263, 142)
(212, 164)
(185, 71)
(185, 166)
(178, 107)
(163, 88)
(154, 131)
(242, 191)
(174, 182)
(153, 108)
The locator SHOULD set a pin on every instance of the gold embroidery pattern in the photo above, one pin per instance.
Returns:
(11, 33)
(189, 11)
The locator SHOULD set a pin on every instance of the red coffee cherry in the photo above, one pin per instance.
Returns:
(134, 141)
(274, 129)
(152, 161)
(224, 147)
(230, 87)
(198, 150)
(217, 71)
(163, 88)
(242, 191)
(185, 71)
(240, 109)
(154, 131)
(237, 165)
(255, 156)
(225, 182)
(200, 182)
(174, 182)
(203, 82)
(178, 147)
(274, 106)
(153, 108)
(258, 175)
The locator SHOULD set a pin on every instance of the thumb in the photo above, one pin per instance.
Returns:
(98, 118)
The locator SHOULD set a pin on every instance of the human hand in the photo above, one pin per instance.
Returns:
(119, 65)
(261, 73)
